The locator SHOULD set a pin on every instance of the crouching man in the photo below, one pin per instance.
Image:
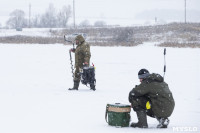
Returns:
(153, 98)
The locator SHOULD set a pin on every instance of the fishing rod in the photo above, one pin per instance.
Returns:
(164, 62)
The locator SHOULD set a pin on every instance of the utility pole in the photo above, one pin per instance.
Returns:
(185, 12)
(74, 13)
(29, 20)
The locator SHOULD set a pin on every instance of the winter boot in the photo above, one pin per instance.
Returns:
(92, 87)
(76, 85)
(142, 120)
(163, 122)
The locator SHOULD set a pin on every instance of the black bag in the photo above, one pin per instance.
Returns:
(88, 75)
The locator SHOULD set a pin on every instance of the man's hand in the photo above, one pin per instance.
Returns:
(85, 64)
(72, 50)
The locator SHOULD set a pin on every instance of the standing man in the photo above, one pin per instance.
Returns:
(82, 58)
(153, 98)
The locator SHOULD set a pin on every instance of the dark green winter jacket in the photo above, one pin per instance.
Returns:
(153, 87)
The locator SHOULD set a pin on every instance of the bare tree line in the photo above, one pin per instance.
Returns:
(49, 19)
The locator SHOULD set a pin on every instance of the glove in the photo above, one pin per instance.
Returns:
(72, 50)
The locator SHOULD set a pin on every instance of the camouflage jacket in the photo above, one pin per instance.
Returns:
(82, 54)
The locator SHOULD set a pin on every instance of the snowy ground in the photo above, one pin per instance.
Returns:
(35, 78)
(42, 32)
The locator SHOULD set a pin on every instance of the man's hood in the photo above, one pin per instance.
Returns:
(155, 77)
(80, 38)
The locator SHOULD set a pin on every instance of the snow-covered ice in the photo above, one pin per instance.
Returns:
(40, 32)
(35, 78)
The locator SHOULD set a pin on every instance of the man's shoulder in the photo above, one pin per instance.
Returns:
(86, 44)
(138, 86)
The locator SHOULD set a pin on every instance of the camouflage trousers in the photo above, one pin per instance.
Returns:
(77, 75)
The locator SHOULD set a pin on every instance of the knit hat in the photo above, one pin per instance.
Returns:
(143, 73)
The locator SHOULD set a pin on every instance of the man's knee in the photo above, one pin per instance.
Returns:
(139, 103)
(77, 75)
(76, 79)
(150, 113)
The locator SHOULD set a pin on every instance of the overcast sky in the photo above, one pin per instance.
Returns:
(117, 10)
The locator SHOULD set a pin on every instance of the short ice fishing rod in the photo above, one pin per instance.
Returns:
(164, 63)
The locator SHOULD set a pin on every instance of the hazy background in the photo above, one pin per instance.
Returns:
(122, 12)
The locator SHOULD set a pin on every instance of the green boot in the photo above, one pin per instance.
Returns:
(76, 85)
(142, 120)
